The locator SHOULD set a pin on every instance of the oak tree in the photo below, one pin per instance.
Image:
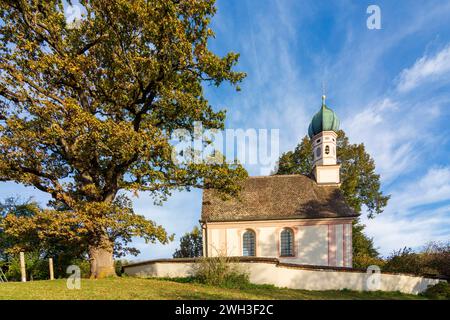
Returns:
(88, 107)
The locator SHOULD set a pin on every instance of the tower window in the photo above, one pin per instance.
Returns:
(318, 141)
(287, 243)
(327, 150)
(318, 152)
(249, 244)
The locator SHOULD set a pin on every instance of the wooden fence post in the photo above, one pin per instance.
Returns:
(50, 266)
(22, 267)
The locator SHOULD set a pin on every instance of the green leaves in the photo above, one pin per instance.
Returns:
(191, 245)
(88, 108)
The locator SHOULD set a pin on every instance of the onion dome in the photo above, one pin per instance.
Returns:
(324, 120)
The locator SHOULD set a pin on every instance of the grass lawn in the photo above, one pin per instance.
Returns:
(135, 288)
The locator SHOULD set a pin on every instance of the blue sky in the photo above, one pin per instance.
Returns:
(390, 87)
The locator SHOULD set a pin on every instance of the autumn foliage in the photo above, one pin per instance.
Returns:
(87, 110)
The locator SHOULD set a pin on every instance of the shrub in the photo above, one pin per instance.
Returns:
(406, 261)
(118, 264)
(36, 267)
(83, 264)
(363, 261)
(437, 258)
(440, 291)
(220, 271)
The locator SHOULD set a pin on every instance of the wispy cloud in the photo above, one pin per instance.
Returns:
(432, 188)
(426, 69)
(393, 232)
(389, 143)
(419, 211)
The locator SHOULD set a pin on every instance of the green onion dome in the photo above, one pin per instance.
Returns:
(324, 120)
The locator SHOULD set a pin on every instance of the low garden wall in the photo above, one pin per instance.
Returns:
(271, 271)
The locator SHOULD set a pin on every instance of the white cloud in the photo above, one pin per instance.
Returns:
(393, 232)
(389, 143)
(433, 187)
(404, 223)
(425, 69)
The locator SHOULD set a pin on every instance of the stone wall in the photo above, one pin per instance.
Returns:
(271, 271)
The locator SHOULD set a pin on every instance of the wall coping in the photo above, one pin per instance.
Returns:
(279, 264)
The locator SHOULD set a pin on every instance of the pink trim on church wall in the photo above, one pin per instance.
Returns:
(350, 245)
(344, 245)
(332, 245)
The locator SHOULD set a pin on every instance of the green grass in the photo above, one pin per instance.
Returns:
(135, 288)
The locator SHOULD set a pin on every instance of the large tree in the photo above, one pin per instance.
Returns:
(359, 184)
(87, 109)
(191, 245)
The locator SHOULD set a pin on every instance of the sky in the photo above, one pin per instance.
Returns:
(390, 87)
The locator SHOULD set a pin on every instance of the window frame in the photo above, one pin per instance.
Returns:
(280, 246)
(254, 242)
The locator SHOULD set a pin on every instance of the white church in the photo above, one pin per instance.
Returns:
(295, 218)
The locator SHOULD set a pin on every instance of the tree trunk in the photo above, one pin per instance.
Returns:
(101, 259)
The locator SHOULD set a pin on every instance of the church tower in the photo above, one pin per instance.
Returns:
(322, 132)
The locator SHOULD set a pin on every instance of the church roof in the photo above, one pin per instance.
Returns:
(277, 197)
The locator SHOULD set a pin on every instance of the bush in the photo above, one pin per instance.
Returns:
(220, 271)
(440, 291)
(437, 258)
(36, 267)
(83, 264)
(405, 261)
(118, 264)
(434, 259)
(363, 261)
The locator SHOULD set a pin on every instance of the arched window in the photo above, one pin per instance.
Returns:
(327, 149)
(318, 152)
(287, 243)
(249, 244)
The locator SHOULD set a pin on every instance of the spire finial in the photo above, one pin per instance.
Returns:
(323, 94)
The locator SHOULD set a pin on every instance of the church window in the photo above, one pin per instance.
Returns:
(318, 152)
(327, 150)
(287, 243)
(249, 244)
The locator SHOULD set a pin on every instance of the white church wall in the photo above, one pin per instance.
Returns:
(327, 174)
(312, 245)
(321, 242)
(233, 242)
(216, 242)
(267, 243)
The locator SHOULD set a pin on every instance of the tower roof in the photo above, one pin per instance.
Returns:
(324, 120)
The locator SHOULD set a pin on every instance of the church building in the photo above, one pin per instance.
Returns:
(295, 218)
